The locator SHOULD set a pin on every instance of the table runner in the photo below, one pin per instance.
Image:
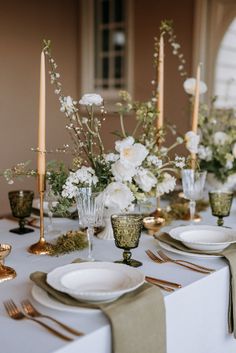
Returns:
(230, 255)
(137, 318)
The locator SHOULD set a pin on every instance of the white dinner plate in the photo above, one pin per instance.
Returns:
(44, 299)
(204, 237)
(95, 281)
(185, 253)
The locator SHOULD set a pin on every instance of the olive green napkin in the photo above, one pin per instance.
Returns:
(137, 318)
(230, 255)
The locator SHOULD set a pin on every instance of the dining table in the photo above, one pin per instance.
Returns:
(196, 314)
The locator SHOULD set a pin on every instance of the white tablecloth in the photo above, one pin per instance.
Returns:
(196, 314)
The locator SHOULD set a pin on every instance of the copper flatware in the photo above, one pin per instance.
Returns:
(164, 282)
(31, 311)
(168, 259)
(159, 260)
(161, 286)
(15, 313)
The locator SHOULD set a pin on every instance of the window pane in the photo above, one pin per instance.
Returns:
(118, 9)
(105, 11)
(105, 68)
(118, 67)
(105, 40)
(118, 39)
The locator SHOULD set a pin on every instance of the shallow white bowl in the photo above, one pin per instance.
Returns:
(95, 281)
(204, 237)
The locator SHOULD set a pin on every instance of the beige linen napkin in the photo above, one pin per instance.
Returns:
(137, 318)
(230, 255)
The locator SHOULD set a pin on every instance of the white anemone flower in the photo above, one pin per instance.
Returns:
(121, 144)
(119, 196)
(166, 185)
(145, 179)
(91, 99)
(190, 86)
(192, 141)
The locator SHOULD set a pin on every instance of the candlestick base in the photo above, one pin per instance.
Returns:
(40, 248)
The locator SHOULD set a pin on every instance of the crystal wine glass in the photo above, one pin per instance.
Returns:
(52, 201)
(220, 202)
(90, 207)
(193, 183)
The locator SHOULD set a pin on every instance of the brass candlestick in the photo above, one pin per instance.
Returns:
(41, 247)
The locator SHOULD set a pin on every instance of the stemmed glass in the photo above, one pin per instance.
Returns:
(6, 272)
(21, 205)
(51, 199)
(220, 202)
(193, 183)
(90, 207)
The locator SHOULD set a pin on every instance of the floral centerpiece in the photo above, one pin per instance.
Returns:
(217, 149)
(137, 167)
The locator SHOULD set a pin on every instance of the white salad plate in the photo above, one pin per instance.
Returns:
(173, 250)
(44, 299)
(95, 282)
(204, 237)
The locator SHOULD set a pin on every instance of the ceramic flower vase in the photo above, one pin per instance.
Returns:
(107, 232)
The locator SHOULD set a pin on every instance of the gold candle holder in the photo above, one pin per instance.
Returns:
(41, 247)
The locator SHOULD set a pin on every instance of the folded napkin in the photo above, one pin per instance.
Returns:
(230, 255)
(137, 318)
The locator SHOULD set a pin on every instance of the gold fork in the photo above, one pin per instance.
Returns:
(15, 313)
(159, 260)
(33, 312)
(168, 259)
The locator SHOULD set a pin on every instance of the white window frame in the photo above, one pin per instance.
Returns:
(87, 52)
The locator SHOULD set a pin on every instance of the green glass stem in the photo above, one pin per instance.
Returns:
(220, 221)
(127, 256)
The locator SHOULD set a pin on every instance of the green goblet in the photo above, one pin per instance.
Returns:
(21, 207)
(127, 230)
(220, 202)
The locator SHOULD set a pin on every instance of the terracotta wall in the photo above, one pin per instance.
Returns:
(24, 24)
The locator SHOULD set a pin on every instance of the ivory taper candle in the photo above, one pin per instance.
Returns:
(42, 113)
(160, 93)
(196, 101)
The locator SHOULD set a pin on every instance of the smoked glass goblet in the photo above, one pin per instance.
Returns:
(220, 202)
(127, 230)
(21, 206)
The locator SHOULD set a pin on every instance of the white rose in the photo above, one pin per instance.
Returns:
(118, 196)
(121, 144)
(220, 138)
(145, 179)
(123, 171)
(91, 99)
(205, 153)
(190, 86)
(166, 185)
(192, 141)
(234, 150)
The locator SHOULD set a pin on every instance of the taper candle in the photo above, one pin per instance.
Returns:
(160, 91)
(196, 101)
(42, 113)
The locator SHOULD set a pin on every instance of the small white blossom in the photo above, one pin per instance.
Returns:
(166, 185)
(192, 141)
(111, 157)
(67, 105)
(229, 161)
(220, 138)
(157, 162)
(205, 153)
(91, 99)
(190, 86)
(180, 162)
